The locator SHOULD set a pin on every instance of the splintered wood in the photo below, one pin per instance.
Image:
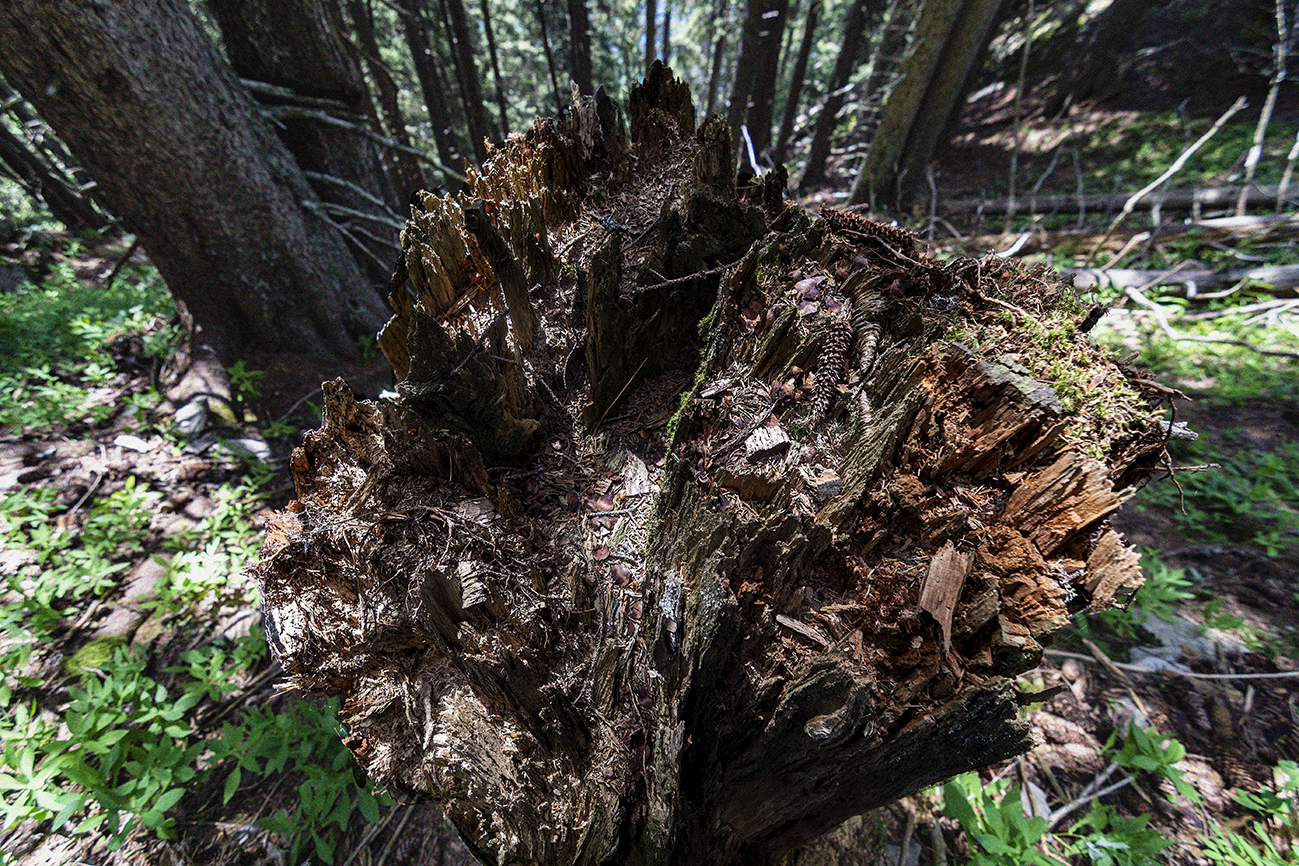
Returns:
(700, 523)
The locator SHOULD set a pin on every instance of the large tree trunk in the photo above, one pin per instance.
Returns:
(754, 88)
(466, 62)
(550, 55)
(496, 67)
(654, 593)
(308, 77)
(949, 36)
(142, 97)
(651, 16)
(579, 40)
(718, 24)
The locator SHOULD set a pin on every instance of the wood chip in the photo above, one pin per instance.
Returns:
(805, 630)
(942, 588)
(477, 510)
(766, 442)
(635, 477)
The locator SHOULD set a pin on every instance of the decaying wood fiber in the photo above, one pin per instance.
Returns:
(745, 525)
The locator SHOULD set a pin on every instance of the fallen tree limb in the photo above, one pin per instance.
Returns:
(1203, 198)
(1279, 280)
(1260, 228)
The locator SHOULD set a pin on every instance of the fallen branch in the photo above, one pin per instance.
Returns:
(1281, 51)
(1279, 280)
(1136, 295)
(1173, 169)
(1193, 675)
(1271, 227)
(1196, 198)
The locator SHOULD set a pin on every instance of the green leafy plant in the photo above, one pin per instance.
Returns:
(994, 821)
(1163, 593)
(245, 385)
(54, 344)
(74, 565)
(210, 559)
(1276, 833)
(1253, 498)
(128, 751)
(308, 740)
(1002, 833)
(132, 750)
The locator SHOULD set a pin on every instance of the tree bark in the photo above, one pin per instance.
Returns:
(666, 54)
(719, 24)
(184, 156)
(949, 36)
(651, 13)
(796, 82)
(312, 66)
(550, 56)
(779, 509)
(579, 37)
(854, 38)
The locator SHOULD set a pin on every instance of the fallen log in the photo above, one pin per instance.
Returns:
(1279, 280)
(754, 536)
(1065, 242)
(1195, 199)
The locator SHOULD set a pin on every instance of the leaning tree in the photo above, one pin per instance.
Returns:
(698, 524)
(141, 95)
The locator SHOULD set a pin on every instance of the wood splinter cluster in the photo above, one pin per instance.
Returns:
(648, 592)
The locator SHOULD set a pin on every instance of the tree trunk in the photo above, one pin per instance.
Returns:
(778, 509)
(308, 77)
(579, 34)
(496, 68)
(550, 57)
(719, 24)
(182, 153)
(754, 88)
(651, 13)
(886, 64)
(403, 169)
(762, 110)
(432, 85)
(467, 68)
(796, 82)
(666, 53)
(854, 38)
(949, 36)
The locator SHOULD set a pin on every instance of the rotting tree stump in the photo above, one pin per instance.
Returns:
(699, 524)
